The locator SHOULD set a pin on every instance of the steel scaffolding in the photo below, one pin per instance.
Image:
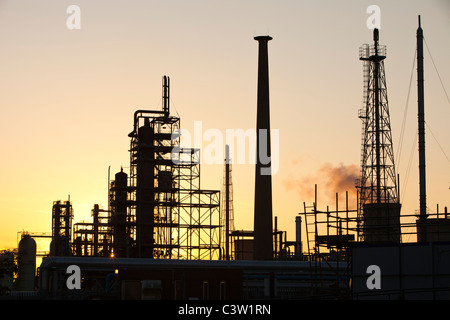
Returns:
(62, 216)
(93, 238)
(158, 210)
(329, 235)
(185, 219)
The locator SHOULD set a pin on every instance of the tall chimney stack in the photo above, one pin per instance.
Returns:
(263, 242)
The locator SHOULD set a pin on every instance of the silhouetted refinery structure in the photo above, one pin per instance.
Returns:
(163, 237)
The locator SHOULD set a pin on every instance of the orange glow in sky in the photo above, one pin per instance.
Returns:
(68, 96)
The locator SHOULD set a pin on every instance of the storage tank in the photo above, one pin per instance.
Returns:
(27, 264)
(119, 214)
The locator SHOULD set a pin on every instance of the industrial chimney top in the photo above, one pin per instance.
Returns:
(262, 38)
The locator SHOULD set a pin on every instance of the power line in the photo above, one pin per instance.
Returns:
(439, 76)
(437, 142)
(402, 132)
(408, 168)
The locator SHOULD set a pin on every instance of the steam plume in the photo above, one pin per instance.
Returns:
(330, 180)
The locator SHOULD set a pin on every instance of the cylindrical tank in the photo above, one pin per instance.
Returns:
(145, 184)
(119, 214)
(27, 264)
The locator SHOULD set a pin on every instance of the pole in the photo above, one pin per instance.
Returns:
(421, 118)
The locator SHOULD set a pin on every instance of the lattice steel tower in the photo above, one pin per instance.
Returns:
(379, 208)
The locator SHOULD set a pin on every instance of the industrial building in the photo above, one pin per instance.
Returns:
(163, 237)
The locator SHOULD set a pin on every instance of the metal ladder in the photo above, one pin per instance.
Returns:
(315, 266)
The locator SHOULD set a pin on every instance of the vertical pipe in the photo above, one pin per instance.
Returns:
(227, 202)
(337, 213)
(166, 95)
(95, 212)
(119, 215)
(346, 211)
(358, 215)
(315, 209)
(145, 219)
(263, 243)
(328, 220)
(108, 189)
(276, 236)
(68, 221)
(421, 118)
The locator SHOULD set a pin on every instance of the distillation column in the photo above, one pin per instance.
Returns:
(145, 191)
(119, 218)
(421, 119)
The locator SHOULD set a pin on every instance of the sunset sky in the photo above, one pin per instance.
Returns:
(68, 96)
